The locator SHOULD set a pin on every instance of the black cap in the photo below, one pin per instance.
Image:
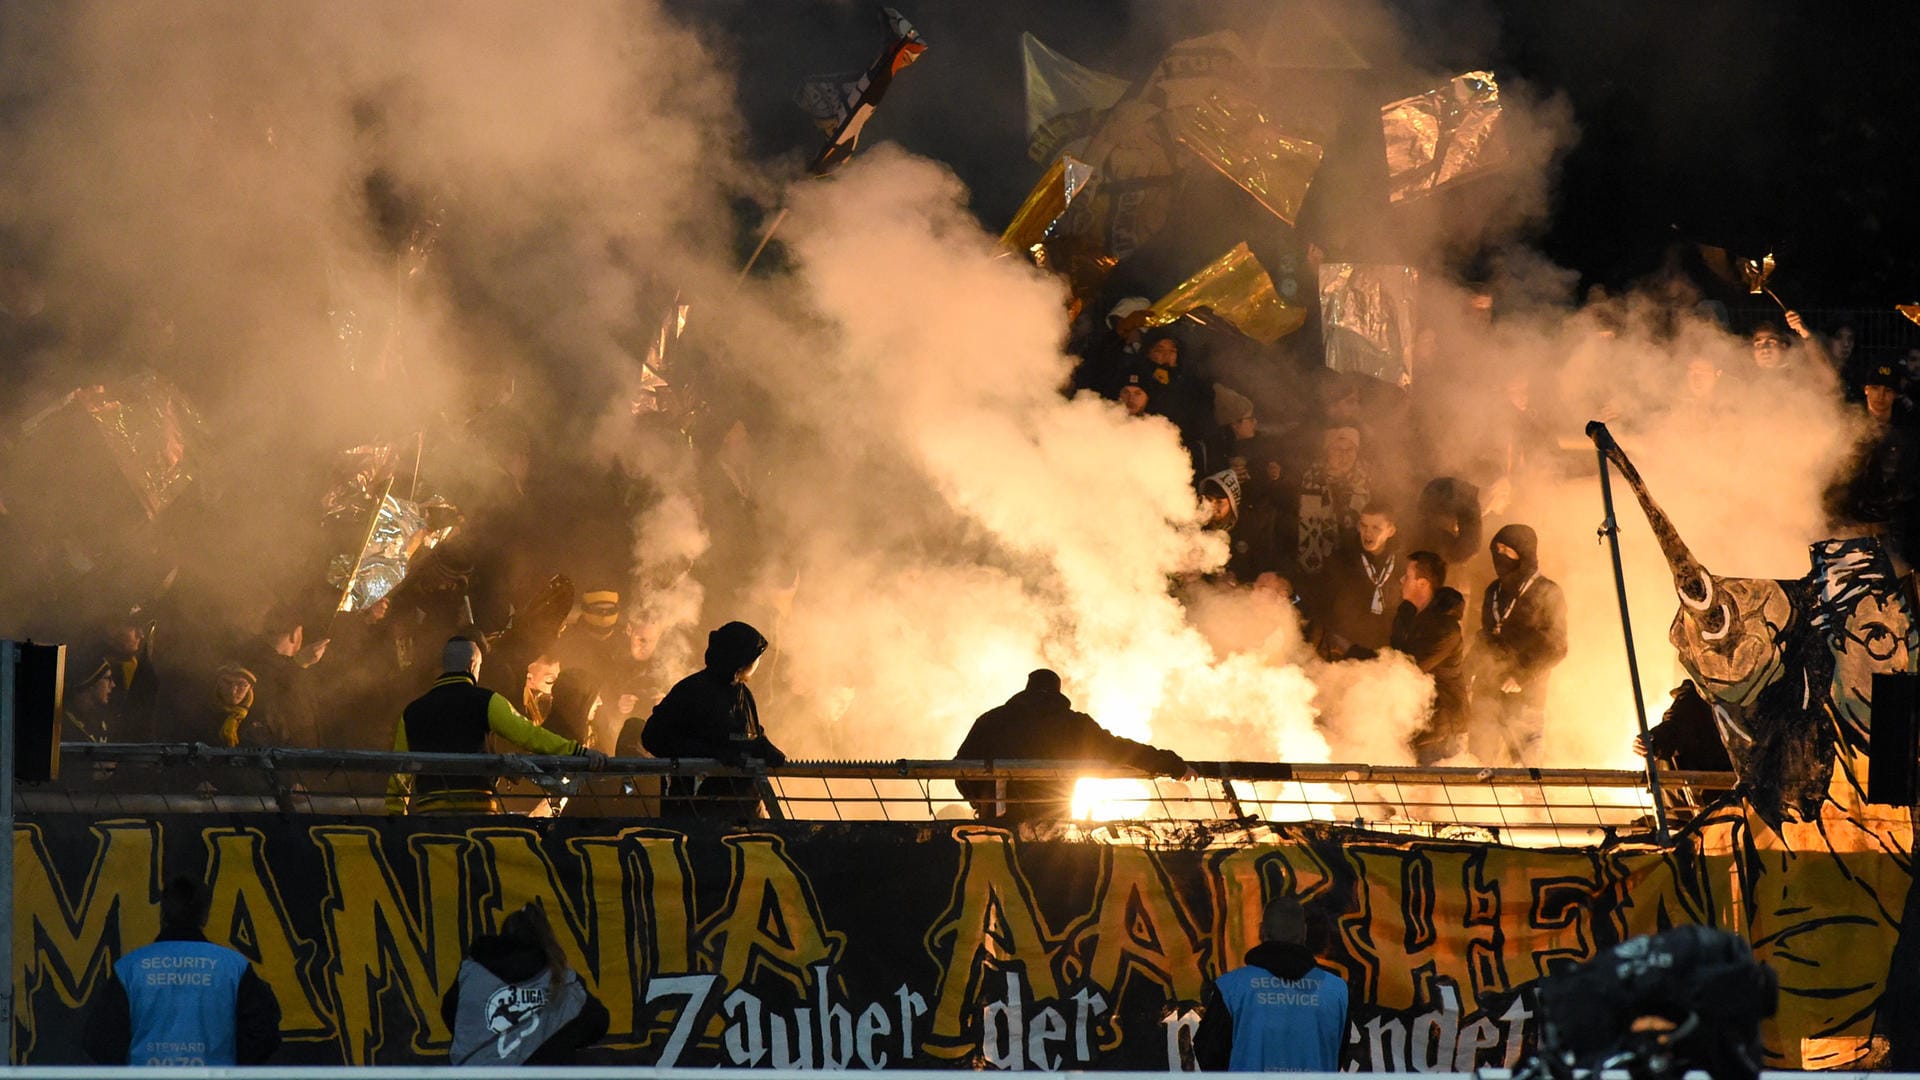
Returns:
(1883, 375)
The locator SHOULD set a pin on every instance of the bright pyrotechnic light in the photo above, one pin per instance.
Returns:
(1114, 799)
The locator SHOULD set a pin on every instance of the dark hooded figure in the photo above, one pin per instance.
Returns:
(711, 714)
(1447, 520)
(515, 1001)
(1523, 636)
(1040, 724)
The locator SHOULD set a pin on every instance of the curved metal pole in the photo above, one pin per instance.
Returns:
(1610, 529)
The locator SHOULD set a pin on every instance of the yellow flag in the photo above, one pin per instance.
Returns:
(1248, 148)
(1045, 203)
(1235, 287)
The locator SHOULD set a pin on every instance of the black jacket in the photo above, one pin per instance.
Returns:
(283, 700)
(1213, 1039)
(1041, 725)
(1432, 638)
(1347, 615)
(1528, 643)
(1523, 622)
(1687, 737)
(707, 714)
(256, 1015)
(517, 961)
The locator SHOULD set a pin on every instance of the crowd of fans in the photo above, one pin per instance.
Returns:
(1332, 489)
(1367, 507)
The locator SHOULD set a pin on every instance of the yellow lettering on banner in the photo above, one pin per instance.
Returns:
(1486, 919)
(59, 940)
(770, 922)
(1539, 906)
(1244, 879)
(666, 901)
(378, 943)
(1139, 924)
(1650, 896)
(594, 933)
(992, 916)
(1406, 896)
(245, 908)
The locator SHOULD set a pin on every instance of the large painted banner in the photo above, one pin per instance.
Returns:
(859, 945)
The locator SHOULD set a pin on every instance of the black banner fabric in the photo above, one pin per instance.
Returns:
(855, 945)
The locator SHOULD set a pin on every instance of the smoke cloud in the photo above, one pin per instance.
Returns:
(343, 224)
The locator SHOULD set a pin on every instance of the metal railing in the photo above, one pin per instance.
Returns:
(1515, 805)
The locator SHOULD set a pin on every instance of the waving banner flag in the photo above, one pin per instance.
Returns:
(1442, 135)
(1135, 155)
(1234, 136)
(842, 107)
(1046, 203)
(1236, 288)
(1367, 316)
(1064, 99)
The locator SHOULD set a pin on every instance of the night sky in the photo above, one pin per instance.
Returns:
(1756, 126)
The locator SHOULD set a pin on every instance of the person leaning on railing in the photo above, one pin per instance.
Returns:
(455, 717)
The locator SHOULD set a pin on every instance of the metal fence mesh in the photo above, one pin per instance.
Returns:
(1520, 806)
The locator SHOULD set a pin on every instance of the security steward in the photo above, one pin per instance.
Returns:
(1281, 1011)
(184, 1000)
(455, 717)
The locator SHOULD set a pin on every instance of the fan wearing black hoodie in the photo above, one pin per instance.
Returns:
(1426, 628)
(1282, 1012)
(1039, 724)
(515, 1001)
(1523, 636)
(711, 714)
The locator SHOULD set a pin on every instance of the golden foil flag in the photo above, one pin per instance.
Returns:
(1235, 136)
(1911, 311)
(1755, 272)
(1235, 287)
(1046, 203)
(1133, 148)
(1442, 135)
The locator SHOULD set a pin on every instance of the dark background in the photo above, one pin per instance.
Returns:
(1768, 126)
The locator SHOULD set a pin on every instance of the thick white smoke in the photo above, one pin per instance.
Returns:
(957, 522)
(935, 519)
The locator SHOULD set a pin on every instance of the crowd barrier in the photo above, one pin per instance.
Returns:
(1519, 806)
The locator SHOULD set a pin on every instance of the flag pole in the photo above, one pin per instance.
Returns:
(1610, 531)
(765, 238)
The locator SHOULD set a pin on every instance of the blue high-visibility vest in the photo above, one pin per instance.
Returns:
(1285, 1024)
(181, 997)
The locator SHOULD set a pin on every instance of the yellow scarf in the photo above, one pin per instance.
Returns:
(230, 727)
